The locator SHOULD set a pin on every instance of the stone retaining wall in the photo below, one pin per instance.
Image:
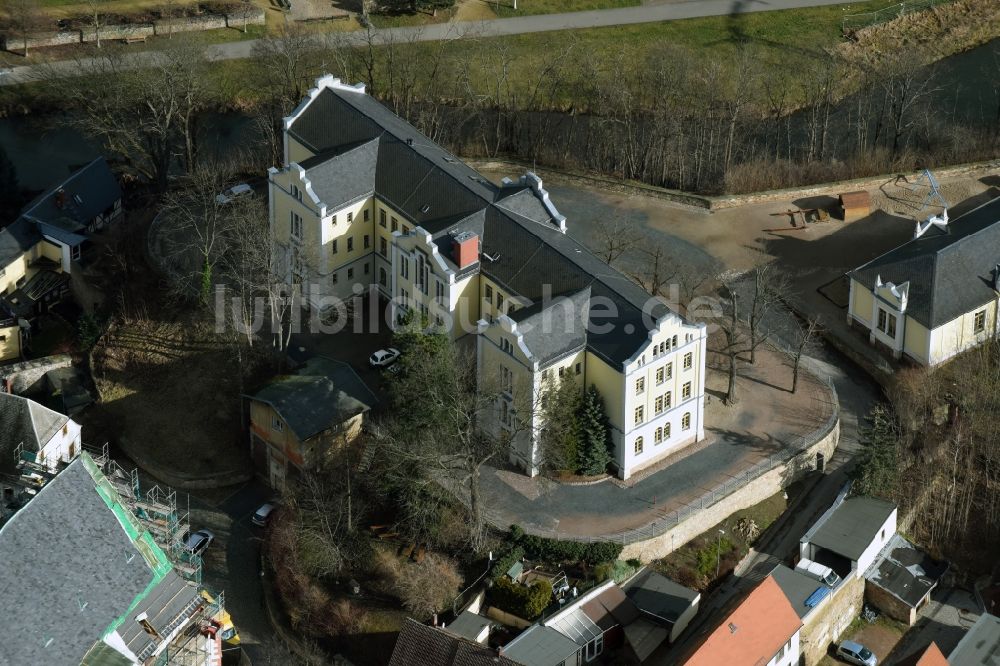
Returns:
(831, 619)
(713, 203)
(752, 493)
(26, 378)
(138, 30)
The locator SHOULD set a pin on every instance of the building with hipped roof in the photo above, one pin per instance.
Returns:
(366, 203)
(84, 583)
(936, 295)
(39, 249)
(298, 418)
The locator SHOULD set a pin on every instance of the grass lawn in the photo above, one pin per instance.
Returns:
(695, 563)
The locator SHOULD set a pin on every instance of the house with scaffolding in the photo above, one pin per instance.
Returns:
(92, 575)
(35, 443)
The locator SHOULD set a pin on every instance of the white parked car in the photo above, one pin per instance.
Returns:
(383, 357)
(233, 192)
(197, 542)
(263, 514)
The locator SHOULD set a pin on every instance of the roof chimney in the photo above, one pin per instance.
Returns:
(465, 249)
(409, 141)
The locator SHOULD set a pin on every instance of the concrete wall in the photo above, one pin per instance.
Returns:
(752, 493)
(825, 625)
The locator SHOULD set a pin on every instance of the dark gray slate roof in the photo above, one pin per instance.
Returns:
(16, 238)
(24, 421)
(853, 526)
(342, 178)
(522, 201)
(905, 571)
(69, 569)
(442, 194)
(469, 625)
(541, 646)
(657, 595)
(950, 271)
(420, 645)
(323, 393)
(88, 192)
(552, 331)
(167, 605)
(797, 587)
(980, 646)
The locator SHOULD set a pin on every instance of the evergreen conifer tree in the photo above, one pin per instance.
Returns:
(594, 446)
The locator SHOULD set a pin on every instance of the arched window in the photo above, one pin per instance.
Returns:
(638, 445)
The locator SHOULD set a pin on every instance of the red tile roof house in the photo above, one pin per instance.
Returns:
(762, 631)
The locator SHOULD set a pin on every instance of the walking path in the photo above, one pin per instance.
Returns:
(647, 13)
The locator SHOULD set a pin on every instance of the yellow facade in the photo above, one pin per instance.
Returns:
(10, 342)
(928, 347)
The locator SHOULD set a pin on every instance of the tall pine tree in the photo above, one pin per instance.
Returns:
(593, 453)
(877, 470)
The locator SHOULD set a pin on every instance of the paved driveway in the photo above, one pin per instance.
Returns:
(944, 620)
(766, 421)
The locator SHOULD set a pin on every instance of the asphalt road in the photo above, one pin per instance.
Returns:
(652, 13)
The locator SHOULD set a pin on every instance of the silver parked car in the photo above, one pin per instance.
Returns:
(197, 542)
(856, 653)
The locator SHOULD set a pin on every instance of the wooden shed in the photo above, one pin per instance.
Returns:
(855, 205)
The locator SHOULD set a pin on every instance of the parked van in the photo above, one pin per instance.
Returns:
(818, 571)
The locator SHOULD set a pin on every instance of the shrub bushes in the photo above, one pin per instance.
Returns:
(553, 550)
(503, 564)
(523, 601)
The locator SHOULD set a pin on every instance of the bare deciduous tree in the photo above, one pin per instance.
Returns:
(803, 342)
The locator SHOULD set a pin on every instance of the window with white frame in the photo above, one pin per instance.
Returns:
(276, 424)
(686, 421)
(350, 217)
(688, 360)
(350, 244)
(658, 436)
(667, 399)
(640, 385)
(638, 445)
(686, 391)
(659, 404)
(670, 370)
(887, 323)
(660, 374)
(638, 415)
(296, 192)
(296, 225)
(381, 218)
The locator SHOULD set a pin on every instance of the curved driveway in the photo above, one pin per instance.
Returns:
(651, 13)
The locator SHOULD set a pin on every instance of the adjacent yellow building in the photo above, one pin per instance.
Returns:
(38, 249)
(936, 295)
(364, 203)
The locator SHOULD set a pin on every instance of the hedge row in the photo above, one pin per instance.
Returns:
(526, 602)
(553, 550)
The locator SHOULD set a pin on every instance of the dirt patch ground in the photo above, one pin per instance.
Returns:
(880, 637)
(170, 396)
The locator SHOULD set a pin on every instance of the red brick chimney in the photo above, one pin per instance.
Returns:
(465, 249)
